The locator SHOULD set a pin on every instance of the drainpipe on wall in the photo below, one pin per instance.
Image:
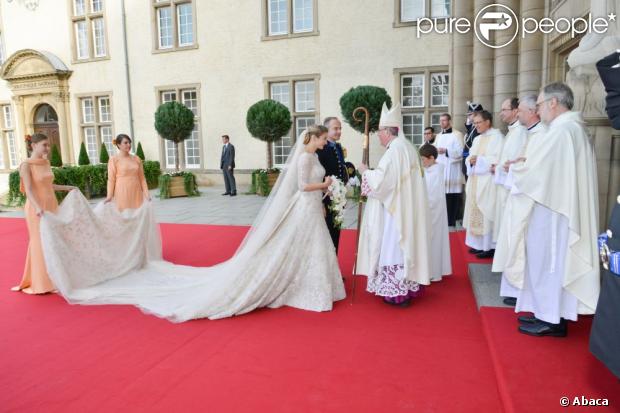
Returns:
(127, 77)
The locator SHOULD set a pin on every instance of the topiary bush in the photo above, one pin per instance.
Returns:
(152, 171)
(370, 97)
(140, 152)
(103, 154)
(268, 121)
(83, 158)
(174, 122)
(55, 158)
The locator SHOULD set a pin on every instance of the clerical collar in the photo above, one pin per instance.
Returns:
(449, 130)
(533, 126)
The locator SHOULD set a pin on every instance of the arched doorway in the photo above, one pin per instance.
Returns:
(46, 122)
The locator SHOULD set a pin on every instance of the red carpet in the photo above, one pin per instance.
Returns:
(534, 373)
(365, 357)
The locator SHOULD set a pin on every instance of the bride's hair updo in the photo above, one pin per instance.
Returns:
(314, 130)
(36, 138)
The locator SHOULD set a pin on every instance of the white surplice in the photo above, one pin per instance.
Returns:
(534, 134)
(547, 247)
(287, 258)
(452, 142)
(440, 236)
(514, 147)
(481, 190)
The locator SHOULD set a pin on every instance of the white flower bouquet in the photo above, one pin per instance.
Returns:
(337, 191)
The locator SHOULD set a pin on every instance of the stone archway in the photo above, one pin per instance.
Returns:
(39, 83)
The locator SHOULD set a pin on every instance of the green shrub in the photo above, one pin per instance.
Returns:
(174, 122)
(152, 171)
(83, 158)
(268, 121)
(140, 152)
(55, 158)
(370, 97)
(104, 157)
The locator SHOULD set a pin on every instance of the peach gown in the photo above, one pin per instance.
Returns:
(126, 182)
(35, 279)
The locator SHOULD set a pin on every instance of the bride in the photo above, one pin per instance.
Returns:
(104, 256)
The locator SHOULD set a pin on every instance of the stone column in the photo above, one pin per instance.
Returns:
(506, 66)
(21, 129)
(461, 66)
(531, 50)
(483, 72)
(63, 127)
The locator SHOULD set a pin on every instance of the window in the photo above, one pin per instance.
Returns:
(290, 17)
(96, 124)
(408, 11)
(175, 24)
(424, 96)
(88, 30)
(190, 149)
(8, 145)
(299, 94)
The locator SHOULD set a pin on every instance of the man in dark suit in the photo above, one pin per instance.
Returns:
(227, 165)
(332, 159)
(609, 70)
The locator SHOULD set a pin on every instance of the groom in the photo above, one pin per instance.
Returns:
(332, 159)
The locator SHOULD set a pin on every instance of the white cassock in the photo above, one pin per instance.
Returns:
(534, 135)
(440, 236)
(481, 190)
(394, 247)
(452, 142)
(549, 249)
(514, 147)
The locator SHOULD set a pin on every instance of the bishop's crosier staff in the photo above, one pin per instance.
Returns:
(365, 161)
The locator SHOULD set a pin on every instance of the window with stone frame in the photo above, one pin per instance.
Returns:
(189, 150)
(174, 24)
(88, 30)
(424, 95)
(300, 95)
(96, 124)
(285, 18)
(407, 12)
(9, 156)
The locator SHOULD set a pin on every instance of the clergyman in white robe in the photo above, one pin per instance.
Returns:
(440, 236)
(535, 134)
(548, 250)
(394, 246)
(481, 190)
(514, 148)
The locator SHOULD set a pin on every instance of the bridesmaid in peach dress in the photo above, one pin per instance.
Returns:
(37, 183)
(126, 182)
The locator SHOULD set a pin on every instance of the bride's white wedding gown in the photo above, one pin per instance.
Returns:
(102, 256)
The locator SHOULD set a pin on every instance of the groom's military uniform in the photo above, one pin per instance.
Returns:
(332, 159)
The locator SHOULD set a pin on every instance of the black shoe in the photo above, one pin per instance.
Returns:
(226, 193)
(528, 319)
(405, 303)
(511, 301)
(486, 254)
(541, 329)
(475, 251)
(233, 194)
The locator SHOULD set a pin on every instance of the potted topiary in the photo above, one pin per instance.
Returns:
(175, 122)
(268, 121)
(369, 97)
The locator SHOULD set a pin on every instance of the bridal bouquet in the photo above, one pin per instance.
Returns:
(338, 193)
